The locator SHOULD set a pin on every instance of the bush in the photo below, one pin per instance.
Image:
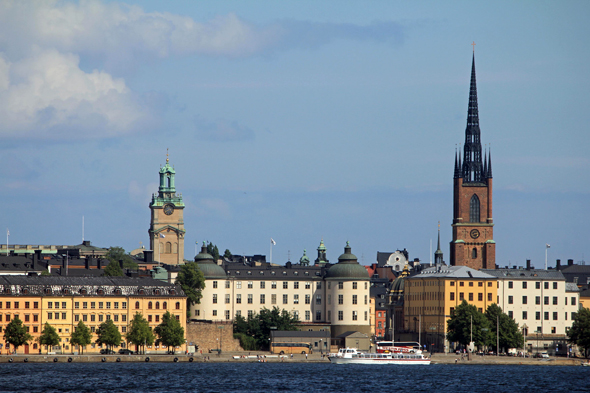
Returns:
(246, 342)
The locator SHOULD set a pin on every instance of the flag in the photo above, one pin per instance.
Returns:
(547, 245)
(162, 235)
(273, 242)
(7, 232)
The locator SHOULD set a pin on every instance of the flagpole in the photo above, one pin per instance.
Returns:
(7, 234)
(270, 250)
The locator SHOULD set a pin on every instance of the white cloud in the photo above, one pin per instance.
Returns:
(47, 96)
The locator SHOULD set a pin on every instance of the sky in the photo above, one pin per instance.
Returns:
(296, 120)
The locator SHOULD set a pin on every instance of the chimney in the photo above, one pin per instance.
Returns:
(86, 243)
(528, 264)
(558, 264)
(148, 256)
(570, 262)
(36, 259)
(87, 262)
(98, 263)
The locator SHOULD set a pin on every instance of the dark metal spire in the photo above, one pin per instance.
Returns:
(489, 171)
(457, 170)
(472, 163)
(485, 165)
(438, 254)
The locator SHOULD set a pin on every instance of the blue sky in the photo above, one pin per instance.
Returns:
(297, 120)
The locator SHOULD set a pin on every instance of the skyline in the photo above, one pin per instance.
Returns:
(297, 121)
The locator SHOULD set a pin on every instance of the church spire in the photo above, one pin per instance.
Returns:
(438, 255)
(472, 163)
(489, 170)
(457, 170)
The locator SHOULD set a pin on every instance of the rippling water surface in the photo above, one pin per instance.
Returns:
(287, 377)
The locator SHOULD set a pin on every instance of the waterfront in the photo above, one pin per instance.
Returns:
(289, 377)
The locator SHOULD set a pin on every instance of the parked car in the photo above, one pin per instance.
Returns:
(105, 351)
(125, 351)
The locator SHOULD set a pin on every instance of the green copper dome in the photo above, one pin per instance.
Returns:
(304, 260)
(208, 266)
(347, 267)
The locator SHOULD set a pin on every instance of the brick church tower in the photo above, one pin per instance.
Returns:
(473, 226)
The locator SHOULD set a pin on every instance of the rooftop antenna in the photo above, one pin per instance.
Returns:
(82, 229)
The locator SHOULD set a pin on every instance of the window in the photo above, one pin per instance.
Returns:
(116, 317)
(136, 305)
(318, 285)
(340, 299)
(239, 298)
(546, 315)
(452, 310)
(537, 285)
(27, 318)
(366, 313)
(35, 304)
(480, 284)
(546, 300)
(285, 284)
(510, 300)
(227, 298)
(354, 285)
(480, 296)
(510, 314)
(524, 315)
(262, 284)
(238, 285)
(92, 317)
(318, 315)
(461, 296)
(546, 285)
(470, 296)
(273, 299)
(93, 305)
(108, 304)
(214, 284)
(296, 285)
(158, 303)
(318, 299)
(510, 284)
(555, 316)
(227, 284)
(452, 283)
(524, 300)
(537, 300)
(470, 283)
(365, 299)
(340, 315)
(354, 315)
(27, 304)
(273, 285)
(85, 317)
(474, 209)
(285, 299)
(150, 305)
(63, 315)
(36, 318)
(553, 330)
(214, 313)
(214, 300)
(489, 284)
(452, 295)
(554, 285)
(340, 285)
(524, 285)
(554, 300)
(49, 305)
(99, 304)
(461, 284)
(226, 314)
(354, 299)
(56, 304)
(262, 298)
(573, 301)
(123, 318)
(489, 297)
(296, 315)
(178, 305)
(307, 315)
(250, 284)
(250, 298)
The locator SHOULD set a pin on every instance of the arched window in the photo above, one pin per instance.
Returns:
(157, 305)
(474, 253)
(164, 305)
(474, 209)
(175, 249)
(168, 181)
(178, 305)
(137, 305)
(168, 248)
(150, 305)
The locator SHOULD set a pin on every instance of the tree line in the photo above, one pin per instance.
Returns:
(168, 333)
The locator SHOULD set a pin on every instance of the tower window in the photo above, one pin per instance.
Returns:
(168, 248)
(474, 253)
(474, 209)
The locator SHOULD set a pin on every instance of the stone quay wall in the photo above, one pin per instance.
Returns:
(211, 336)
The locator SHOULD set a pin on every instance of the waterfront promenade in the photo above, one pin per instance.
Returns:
(248, 357)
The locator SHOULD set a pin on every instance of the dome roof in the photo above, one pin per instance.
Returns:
(304, 259)
(208, 266)
(347, 267)
(397, 286)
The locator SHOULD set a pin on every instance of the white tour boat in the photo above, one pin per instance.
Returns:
(352, 356)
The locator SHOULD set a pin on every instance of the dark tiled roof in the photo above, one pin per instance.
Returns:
(524, 274)
(300, 333)
(278, 273)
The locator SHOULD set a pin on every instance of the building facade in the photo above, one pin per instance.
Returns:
(431, 296)
(337, 294)
(167, 223)
(65, 301)
(473, 226)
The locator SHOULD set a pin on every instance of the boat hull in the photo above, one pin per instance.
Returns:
(417, 362)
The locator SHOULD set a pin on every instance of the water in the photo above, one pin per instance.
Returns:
(287, 377)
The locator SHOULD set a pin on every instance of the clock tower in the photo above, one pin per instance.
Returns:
(473, 226)
(167, 223)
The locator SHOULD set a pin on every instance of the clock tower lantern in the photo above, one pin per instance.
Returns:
(167, 223)
(473, 242)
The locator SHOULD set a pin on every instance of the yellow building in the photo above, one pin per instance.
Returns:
(431, 296)
(64, 301)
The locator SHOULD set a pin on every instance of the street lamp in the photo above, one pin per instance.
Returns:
(524, 331)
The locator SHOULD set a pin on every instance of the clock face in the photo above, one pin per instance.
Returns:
(474, 233)
(168, 209)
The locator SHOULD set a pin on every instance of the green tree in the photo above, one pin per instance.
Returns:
(116, 254)
(81, 336)
(139, 332)
(259, 326)
(510, 336)
(192, 282)
(108, 334)
(579, 333)
(113, 269)
(48, 337)
(170, 333)
(16, 334)
(45, 273)
(213, 250)
(227, 254)
(459, 326)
